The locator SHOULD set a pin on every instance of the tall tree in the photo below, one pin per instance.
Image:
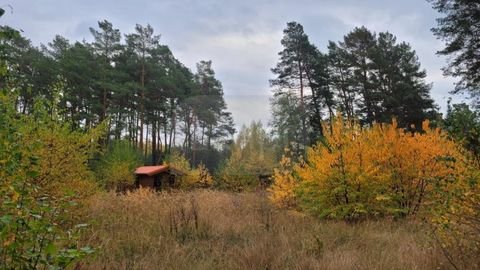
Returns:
(206, 118)
(287, 123)
(399, 78)
(358, 46)
(377, 79)
(144, 91)
(106, 46)
(463, 125)
(77, 66)
(142, 42)
(341, 80)
(290, 71)
(460, 29)
(302, 69)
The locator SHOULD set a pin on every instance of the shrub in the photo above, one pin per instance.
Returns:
(282, 193)
(37, 224)
(456, 222)
(378, 171)
(192, 178)
(115, 169)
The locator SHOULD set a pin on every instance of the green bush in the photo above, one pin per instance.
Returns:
(36, 228)
(116, 167)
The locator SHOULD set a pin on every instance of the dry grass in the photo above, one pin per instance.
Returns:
(218, 230)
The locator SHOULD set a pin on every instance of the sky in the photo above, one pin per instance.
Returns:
(242, 38)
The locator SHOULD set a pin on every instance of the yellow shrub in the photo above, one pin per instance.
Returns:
(63, 155)
(376, 171)
(282, 191)
(199, 177)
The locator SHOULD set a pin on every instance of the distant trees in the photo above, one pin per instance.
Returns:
(366, 76)
(460, 28)
(204, 112)
(463, 125)
(252, 156)
(135, 84)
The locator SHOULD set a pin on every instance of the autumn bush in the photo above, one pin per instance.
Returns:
(198, 177)
(282, 192)
(43, 178)
(358, 172)
(456, 222)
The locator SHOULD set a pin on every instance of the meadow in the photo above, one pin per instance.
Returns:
(207, 229)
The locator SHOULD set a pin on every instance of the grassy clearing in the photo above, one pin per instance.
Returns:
(218, 230)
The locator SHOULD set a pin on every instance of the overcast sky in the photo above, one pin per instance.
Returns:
(242, 38)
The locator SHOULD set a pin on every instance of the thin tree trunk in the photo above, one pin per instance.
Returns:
(194, 139)
(172, 123)
(302, 107)
(142, 98)
(154, 144)
(146, 142)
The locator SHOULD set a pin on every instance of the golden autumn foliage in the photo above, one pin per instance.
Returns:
(198, 177)
(44, 182)
(377, 171)
(282, 192)
(456, 221)
(63, 154)
(203, 175)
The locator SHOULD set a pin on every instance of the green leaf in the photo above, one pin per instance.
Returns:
(32, 174)
(51, 249)
(6, 219)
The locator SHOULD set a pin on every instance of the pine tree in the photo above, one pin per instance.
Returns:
(460, 28)
(142, 42)
(290, 71)
(106, 46)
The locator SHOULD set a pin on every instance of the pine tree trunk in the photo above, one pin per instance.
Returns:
(154, 143)
(142, 97)
(302, 107)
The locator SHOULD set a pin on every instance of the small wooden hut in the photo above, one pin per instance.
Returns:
(157, 177)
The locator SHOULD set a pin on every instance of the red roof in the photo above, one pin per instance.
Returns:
(151, 170)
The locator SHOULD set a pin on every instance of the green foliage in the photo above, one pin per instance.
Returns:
(36, 225)
(63, 152)
(178, 161)
(367, 76)
(459, 29)
(252, 156)
(287, 123)
(145, 94)
(463, 125)
(115, 168)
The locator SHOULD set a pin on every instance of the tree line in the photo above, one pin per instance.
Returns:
(367, 76)
(133, 83)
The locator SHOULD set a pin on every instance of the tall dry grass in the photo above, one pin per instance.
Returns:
(218, 230)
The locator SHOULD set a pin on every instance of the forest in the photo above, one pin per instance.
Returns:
(358, 167)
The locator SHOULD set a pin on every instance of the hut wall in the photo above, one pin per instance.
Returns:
(165, 179)
(146, 181)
